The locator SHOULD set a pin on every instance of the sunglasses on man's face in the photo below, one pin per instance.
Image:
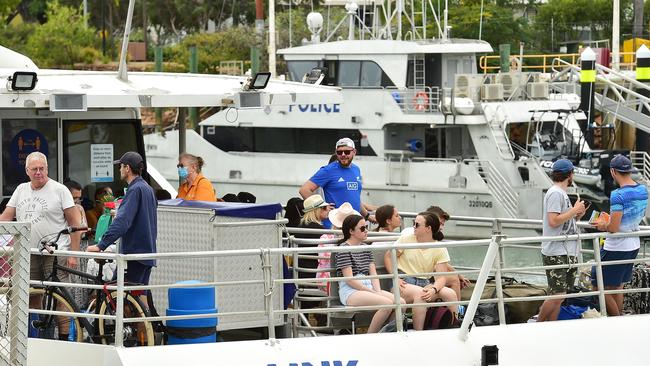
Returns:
(343, 152)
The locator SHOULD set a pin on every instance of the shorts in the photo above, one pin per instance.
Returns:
(616, 274)
(560, 280)
(136, 272)
(40, 267)
(417, 281)
(346, 290)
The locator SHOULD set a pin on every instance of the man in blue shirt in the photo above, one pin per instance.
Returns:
(136, 220)
(627, 208)
(340, 180)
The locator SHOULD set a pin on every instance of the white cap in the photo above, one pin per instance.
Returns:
(346, 141)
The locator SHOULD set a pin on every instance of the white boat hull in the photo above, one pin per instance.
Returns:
(602, 341)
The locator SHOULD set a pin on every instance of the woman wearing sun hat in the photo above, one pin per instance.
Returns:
(315, 211)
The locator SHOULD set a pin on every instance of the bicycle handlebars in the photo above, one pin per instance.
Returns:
(49, 246)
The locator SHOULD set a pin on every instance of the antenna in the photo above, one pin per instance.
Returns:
(122, 72)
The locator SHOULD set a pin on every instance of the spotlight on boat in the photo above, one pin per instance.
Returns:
(260, 80)
(23, 81)
(489, 355)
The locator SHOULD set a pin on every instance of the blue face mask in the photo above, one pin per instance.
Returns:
(182, 172)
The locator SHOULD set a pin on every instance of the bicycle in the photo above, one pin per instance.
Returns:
(101, 331)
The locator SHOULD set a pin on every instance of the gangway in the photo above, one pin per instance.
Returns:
(615, 94)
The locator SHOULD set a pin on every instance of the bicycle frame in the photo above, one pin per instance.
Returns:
(102, 296)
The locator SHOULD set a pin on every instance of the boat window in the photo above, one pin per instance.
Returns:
(370, 74)
(349, 72)
(452, 69)
(282, 140)
(20, 137)
(298, 69)
(89, 147)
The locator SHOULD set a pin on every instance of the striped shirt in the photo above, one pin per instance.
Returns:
(359, 261)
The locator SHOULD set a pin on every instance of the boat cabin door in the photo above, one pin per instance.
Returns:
(78, 146)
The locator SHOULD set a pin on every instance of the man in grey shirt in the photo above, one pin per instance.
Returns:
(559, 219)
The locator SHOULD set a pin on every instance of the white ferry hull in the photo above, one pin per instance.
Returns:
(602, 341)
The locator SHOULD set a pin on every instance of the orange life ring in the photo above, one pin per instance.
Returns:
(421, 101)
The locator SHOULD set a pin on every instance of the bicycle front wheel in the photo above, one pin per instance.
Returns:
(136, 333)
(55, 326)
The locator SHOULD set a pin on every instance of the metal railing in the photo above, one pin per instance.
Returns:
(498, 129)
(498, 186)
(544, 62)
(14, 294)
(617, 93)
(490, 265)
(641, 161)
(421, 100)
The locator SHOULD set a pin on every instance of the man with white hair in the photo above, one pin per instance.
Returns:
(49, 207)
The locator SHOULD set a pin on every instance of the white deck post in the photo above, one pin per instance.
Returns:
(396, 291)
(599, 277)
(480, 285)
(119, 312)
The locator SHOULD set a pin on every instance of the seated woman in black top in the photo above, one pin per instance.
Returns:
(362, 292)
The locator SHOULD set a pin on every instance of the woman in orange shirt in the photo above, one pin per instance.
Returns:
(195, 186)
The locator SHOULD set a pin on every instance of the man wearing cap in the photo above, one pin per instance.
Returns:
(559, 219)
(627, 206)
(340, 180)
(135, 221)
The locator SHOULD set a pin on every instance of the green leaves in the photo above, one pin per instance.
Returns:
(60, 42)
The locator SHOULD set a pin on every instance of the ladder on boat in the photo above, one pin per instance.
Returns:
(419, 75)
(617, 95)
(497, 122)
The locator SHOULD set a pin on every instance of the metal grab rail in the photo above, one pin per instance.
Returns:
(417, 100)
(618, 93)
(498, 186)
(490, 265)
(641, 161)
(543, 65)
(498, 130)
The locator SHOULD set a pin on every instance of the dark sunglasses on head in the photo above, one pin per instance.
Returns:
(343, 152)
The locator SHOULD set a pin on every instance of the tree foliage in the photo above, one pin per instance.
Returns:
(231, 44)
(499, 23)
(63, 40)
(568, 20)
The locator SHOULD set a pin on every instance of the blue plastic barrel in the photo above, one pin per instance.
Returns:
(191, 301)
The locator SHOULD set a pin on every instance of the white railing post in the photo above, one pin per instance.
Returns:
(498, 264)
(294, 269)
(491, 254)
(396, 292)
(599, 277)
(268, 289)
(19, 299)
(119, 312)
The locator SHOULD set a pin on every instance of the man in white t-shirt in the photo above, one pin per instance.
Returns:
(559, 219)
(49, 206)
